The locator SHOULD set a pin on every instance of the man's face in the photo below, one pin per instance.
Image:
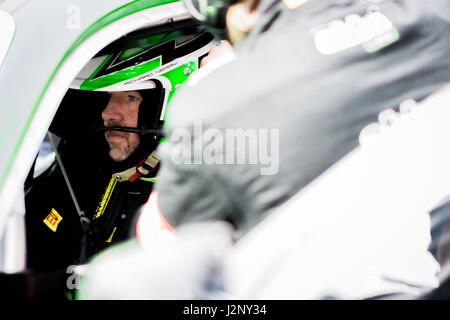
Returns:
(122, 110)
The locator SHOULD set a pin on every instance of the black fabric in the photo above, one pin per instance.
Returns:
(440, 230)
(30, 285)
(318, 103)
(15, 286)
(119, 216)
(152, 107)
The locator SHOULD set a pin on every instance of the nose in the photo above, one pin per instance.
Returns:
(112, 111)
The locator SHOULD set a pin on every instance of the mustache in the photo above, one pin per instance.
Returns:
(109, 128)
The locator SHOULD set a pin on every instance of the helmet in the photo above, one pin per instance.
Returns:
(154, 64)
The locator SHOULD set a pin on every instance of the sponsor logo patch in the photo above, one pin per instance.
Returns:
(373, 31)
(52, 220)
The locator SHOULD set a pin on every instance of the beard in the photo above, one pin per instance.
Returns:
(120, 152)
(124, 148)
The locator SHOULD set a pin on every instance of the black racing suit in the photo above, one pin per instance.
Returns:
(315, 79)
(55, 236)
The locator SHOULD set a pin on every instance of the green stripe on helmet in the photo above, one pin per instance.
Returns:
(119, 76)
(178, 76)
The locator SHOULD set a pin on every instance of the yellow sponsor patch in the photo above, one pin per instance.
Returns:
(52, 220)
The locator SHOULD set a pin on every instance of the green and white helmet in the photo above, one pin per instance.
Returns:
(159, 61)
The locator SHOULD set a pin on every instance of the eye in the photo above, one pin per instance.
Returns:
(132, 98)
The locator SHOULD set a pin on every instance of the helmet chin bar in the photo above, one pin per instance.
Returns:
(143, 131)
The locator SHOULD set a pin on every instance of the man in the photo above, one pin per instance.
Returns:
(108, 195)
(109, 122)
(314, 74)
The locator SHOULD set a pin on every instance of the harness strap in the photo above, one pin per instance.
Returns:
(142, 169)
(83, 219)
